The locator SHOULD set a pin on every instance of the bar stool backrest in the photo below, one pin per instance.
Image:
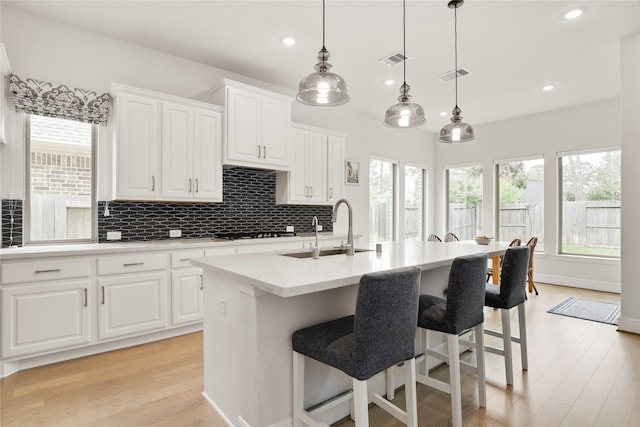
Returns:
(465, 292)
(513, 275)
(433, 238)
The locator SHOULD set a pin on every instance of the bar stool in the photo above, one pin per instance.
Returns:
(459, 313)
(510, 293)
(450, 237)
(381, 334)
(433, 238)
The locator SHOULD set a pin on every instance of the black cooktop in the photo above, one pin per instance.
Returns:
(253, 235)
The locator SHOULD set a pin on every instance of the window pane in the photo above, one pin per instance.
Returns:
(591, 204)
(61, 180)
(465, 201)
(413, 203)
(521, 201)
(381, 220)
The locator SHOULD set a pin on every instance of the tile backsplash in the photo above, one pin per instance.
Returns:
(249, 206)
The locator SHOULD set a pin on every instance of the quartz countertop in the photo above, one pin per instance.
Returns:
(287, 276)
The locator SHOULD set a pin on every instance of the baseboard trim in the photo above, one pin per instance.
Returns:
(221, 414)
(594, 285)
(626, 324)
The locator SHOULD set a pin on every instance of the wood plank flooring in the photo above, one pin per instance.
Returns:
(581, 373)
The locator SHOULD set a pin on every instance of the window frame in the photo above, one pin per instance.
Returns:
(446, 180)
(26, 219)
(394, 193)
(425, 183)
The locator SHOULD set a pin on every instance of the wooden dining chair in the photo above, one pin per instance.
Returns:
(450, 237)
(433, 238)
(532, 244)
(514, 242)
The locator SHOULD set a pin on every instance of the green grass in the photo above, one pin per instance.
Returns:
(586, 250)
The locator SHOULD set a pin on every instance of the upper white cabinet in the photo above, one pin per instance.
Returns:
(316, 175)
(256, 126)
(166, 148)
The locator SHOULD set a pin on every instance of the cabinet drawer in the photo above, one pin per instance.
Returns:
(37, 271)
(131, 263)
(225, 250)
(181, 258)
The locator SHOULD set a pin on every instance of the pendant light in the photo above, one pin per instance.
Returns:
(456, 131)
(323, 88)
(404, 114)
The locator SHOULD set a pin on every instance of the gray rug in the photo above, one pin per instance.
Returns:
(597, 311)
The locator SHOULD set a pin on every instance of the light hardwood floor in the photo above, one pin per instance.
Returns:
(581, 373)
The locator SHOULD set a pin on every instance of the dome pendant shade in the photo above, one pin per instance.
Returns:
(323, 88)
(404, 114)
(456, 131)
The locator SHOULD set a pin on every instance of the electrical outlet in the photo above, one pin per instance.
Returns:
(290, 228)
(114, 235)
(319, 227)
(175, 233)
(221, 306)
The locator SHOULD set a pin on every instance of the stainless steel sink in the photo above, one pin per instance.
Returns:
(323, 252)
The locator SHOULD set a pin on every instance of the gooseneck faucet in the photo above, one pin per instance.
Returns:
(316, 249)
(350, 249)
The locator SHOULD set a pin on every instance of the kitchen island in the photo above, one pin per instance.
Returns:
(254, 302)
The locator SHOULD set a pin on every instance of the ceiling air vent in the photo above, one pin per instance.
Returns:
(450, 75)
(393, 59)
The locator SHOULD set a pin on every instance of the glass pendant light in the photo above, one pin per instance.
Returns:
(457, 130)
(404, 114)
(323, 88)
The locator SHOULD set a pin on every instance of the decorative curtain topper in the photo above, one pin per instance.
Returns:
(45, 99)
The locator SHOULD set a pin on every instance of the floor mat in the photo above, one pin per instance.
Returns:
(597, 311)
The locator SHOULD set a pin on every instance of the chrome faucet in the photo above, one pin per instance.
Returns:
(350, 249)
(316, 249)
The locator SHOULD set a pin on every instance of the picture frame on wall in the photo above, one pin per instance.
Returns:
(352, 172)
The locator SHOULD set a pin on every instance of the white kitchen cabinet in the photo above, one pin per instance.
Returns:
(186, 296)
(191, 164)
(45, 316)
(137, 127)
(256, 126)
(132, 304)
(316, 173)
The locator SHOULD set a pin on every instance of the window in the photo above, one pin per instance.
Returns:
(590, 203)
(382, 188)
(61, 180)
(520, 212)
(414, 202)
(464, 204)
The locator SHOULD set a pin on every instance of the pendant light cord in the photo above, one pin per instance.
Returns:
(455, 30)
(323, 24)
(404, 41)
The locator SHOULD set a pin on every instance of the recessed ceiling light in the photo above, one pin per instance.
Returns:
(573, 13)
(548, 88)
(389, 82)
(288, 41)
(443, 113)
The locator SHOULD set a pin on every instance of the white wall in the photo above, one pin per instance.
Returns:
(47, 50)
(595, 125)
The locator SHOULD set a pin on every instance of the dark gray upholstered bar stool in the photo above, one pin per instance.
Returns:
(510, 293)
(453, 316)
(381, 334)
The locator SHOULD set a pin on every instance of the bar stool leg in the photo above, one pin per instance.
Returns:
(391, 392)
(480, 365)
(410, 392)
(453, 349)
(506, 340)
(360, 402)
(523, 337)
(298, 387)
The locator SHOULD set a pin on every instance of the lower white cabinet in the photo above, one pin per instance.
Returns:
(186, 296)
(132, 304)
(44, 317)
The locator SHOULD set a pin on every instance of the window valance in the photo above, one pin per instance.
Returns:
(46, 99)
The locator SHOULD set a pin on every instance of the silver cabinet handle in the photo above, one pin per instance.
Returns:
(153, 183)
(190, 185)
(197, 185)
(184, 259)
(85, 297)
(264, 151)
(306, 191)
(201, 282)
(132, 264)
(311, 191)
(259, 150)
(102, 290)
(53, 270)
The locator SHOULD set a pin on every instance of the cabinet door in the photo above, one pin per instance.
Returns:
(298, 187)
(243, 126)
(138, 147)
(177, 151)
(207, 153)
(335, 168)
(317, 167)
(44, 317)
(186, 296)
(132, 304)
(276, 122)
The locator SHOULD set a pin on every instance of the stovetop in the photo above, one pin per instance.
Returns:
(253, 235)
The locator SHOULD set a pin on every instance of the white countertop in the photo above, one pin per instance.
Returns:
(36, 251)
(287, 276)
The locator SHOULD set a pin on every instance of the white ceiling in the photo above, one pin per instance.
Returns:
(512, 48)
